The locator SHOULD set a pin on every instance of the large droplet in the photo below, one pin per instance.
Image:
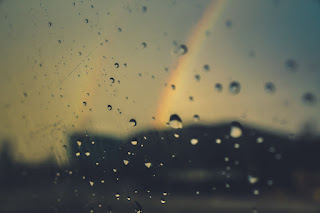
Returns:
(133, 122)
(236, 130)
(234, 87)
(175, 122)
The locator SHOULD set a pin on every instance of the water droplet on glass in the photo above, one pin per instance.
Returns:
(116, 65)
(91, 183)
(84, 103)
(218, 87)
(163, 201)
(252, 179)
(79, 143)
(259, 139)
(173, 87)
(117, 196)
(182, 50)
(50, 24)
(87, 154)
(125, 162)
(194, 141)
(291, 64)
(196, 118)
(112, 80)
(218, 141)
(176, 135)
(236, 130)
(269, 87)
(234, 87)
(309, 98)
(175, 122)
(86, 20)
(109, 107)
(148, 165)
(133, 122)
(144, 44)
(134, 142)
(206, 68)
(197, 77)
(138, 207)
(256, 192)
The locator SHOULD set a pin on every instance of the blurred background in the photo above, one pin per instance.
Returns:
(212, 104)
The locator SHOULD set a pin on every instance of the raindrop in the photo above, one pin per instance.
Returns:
(112, 80)
(259, 139)
(309, 98)
(236, 130)
(234, 87)
(194, 141)
(175, 122)
(196, 118)
(133, 122)
(206, 68)
(144, 45)
(138, 207)
(125, 162)
(87, 154)
(291, 64)
(148, 165)
(117, 196)
(173, 87)
(128, 198)
(197, 77)
(84, 103)
(134, 142)
(163, 201)
(218, 87)
(269, 87)
(91, 183)
(228, 23)
(109, 107)
(182, 50)
(218, 141)
(116, 65)
(252, 179)
(50, 24)
(87, 21)
(79, 143)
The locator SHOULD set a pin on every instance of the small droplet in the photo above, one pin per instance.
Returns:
(269, 87)
(91, 183)
(196, 118)
(144, 9)
(176, 135)
(50, 24)
(234, 88)
(291, 64)
(256, 192)
(194, 141)
(78, 154)
(144, 44)
(134, 142)
(218, 141)
(109, 107)
(148, 165)
(116, 65)
(117, 196)
(86, 20)
(112, 80)
(309, 98)
(252, 179)
(84, 103)
(133, 122)
(128, 198)
(125, 162)
(236, 130)
(206, 68)
(87, 154)
(175, 122)
(79, 143)
(259, 139)
(173, 87)
(218, 87)
(163, 201)
(197, 77)
(228, 23)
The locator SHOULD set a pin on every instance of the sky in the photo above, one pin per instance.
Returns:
(59, 68)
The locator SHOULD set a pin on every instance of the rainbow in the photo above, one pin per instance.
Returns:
(194, 43)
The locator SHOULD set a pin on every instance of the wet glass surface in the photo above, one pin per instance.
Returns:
(160, 106)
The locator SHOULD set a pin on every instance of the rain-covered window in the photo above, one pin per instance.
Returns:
(160, 106)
